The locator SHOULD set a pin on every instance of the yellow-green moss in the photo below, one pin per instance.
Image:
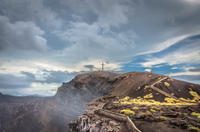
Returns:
(152, 110)
(125, 98)
(196, 114)
(195, 95)
(168, 101)
(127, 112)
(135, 108)
(148, 112)
(167, 84)
(163, 117)
(193, 128)
(156, 108)
(148, 96)
(170, 79)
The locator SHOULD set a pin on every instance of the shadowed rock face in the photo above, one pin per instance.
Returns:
(53, 114)
(88, 85)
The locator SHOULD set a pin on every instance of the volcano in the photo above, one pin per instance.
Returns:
(107, 102)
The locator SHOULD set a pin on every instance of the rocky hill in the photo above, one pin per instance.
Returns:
(142, 101)
(149, 101)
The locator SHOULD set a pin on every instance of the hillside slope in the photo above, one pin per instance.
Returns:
(153, 102)
(109, 91)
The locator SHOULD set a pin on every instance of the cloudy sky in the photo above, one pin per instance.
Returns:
(46, 42)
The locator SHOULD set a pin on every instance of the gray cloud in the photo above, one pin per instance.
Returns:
(36, 11)
(190, 78)
(20, 36)
(90, 67)
(74, 31)
(29, 76)
(57, 76)
(153, 20)
(8, 81)
(197, 69)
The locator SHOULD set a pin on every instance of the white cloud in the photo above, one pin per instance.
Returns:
(187, 54)
(148, 70)
(167, 43)
(31, 66)
(170, 42)
(174, 68)
(184, 73)
(44, 89)
(174, 58)
(152, 62)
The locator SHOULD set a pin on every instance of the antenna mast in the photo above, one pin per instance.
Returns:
(102, 66)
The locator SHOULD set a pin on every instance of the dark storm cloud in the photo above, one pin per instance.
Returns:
(20, 36)
(27, 10)
(153, 20)
(8, 81)
(29, 76)
(90, 67)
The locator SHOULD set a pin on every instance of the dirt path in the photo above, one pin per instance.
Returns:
(158, 90)
(123, 119)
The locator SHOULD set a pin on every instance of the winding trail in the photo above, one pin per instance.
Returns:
(158, 90)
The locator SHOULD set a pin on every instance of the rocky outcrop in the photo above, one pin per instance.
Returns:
(88, 86)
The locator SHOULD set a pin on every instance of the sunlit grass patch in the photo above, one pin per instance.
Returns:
(163, 118)
(195, 95)
(152, 110)
(196, 114)
(125, 98)
(167, 84)
(148, 96)
(193, 128)
(135, 108)
(156, 108)
(170, 79)
(127, 112)
(148, 112)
